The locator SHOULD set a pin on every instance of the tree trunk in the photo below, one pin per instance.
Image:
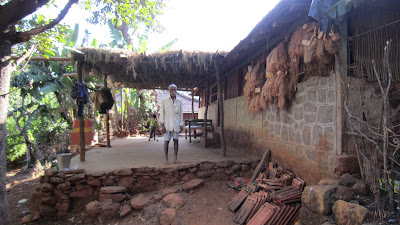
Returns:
(5, 72)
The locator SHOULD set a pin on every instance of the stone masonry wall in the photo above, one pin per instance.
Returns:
(63, 191)
(301, 138)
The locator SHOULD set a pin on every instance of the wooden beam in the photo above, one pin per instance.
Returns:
(43, 59)
(81, 119)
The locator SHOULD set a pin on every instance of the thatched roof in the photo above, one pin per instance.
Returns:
(190, 69)
(135, 70)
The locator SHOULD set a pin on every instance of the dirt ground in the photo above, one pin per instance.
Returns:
(206, 205)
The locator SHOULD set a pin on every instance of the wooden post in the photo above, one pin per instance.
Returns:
(107, 118)
(205, 115)
(193, 104)
(81, 119)
(340, 76)
(220, 97)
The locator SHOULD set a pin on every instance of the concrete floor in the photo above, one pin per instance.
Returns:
(134, 152)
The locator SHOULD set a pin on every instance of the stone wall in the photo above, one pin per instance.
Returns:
(301, 138)
(62, 191)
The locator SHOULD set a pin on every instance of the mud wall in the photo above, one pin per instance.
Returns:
(211, 115)
(301, 138)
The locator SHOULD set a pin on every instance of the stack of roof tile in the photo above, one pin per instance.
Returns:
(273, 198)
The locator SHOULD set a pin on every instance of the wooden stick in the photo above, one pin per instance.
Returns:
(81, 119)
(264, 160)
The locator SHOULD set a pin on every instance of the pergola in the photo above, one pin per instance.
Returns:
(187, 69)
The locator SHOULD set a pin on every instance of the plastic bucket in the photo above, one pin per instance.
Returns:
(64, 160)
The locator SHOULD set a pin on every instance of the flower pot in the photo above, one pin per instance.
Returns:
(64, 161)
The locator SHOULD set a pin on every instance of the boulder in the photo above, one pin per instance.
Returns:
(204, 174)
(167, 216)
(193, 184)
(94, 182)
(125, 210)
(114, 197)
(27, 218)
(349, 214)
(361, 188)
(157, 197)
(188, 177)
(173, 201)
(108, 182)
(319, 199)
(206, 166)
(123, 172)
(94, 174)
(309, 217)
(93, 208)
(126, 182)
(76, 177)
(46, 187)
(140, 201)
(63, 206)
(113, 190)
(344, 193)
(171, 190)
(109, 210)
(328, 182)
(64, 186)
(347, 180)
(56, 180)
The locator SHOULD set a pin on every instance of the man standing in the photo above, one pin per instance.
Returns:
(171, 119)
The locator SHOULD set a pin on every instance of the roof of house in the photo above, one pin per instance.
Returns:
(186, 101)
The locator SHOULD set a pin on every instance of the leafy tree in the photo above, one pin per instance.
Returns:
(14, 30)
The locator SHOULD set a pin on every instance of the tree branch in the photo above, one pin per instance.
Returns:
(25, 36)
(15, 10)
(24, 56)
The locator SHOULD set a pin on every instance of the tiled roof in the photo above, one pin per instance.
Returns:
(186, 101)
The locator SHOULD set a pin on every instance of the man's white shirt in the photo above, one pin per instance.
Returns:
(171, 114)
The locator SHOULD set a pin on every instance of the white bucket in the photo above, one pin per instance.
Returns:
(64, 161)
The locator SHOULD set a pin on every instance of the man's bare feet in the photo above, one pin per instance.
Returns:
(176, 161)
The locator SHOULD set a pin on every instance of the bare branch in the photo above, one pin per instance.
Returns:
(25, 36)
(24, 56)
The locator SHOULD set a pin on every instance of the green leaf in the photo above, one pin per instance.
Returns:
(94, 43)
(49, 52)
(32, 118)
(46, 56)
